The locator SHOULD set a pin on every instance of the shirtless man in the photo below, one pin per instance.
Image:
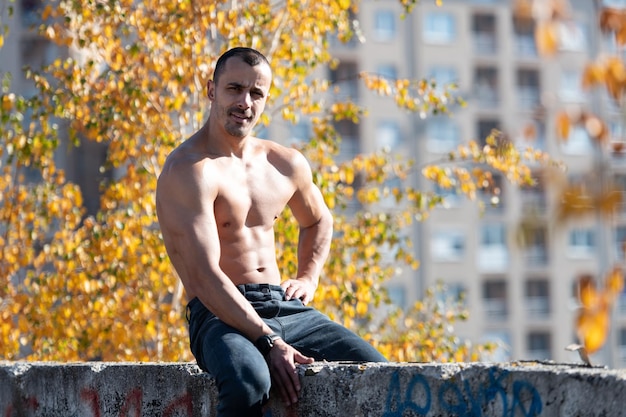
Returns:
(217, 199)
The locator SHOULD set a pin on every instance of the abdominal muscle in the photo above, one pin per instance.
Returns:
(251, 261)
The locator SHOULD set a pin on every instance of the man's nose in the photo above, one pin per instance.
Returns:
(245, 100)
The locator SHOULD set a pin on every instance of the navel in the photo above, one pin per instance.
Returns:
(227, 224)
(261, 269)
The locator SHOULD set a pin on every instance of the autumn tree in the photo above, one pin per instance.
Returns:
(78, 286)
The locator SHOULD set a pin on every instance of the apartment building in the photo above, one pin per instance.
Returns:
(522, 295)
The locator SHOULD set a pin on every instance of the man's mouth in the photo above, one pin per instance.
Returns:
(240, 116)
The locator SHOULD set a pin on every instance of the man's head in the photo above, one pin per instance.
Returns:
(250, 56)
(239, 90)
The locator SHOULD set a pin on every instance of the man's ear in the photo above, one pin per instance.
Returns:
(210, 90)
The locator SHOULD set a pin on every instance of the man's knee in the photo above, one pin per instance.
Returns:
(246, 391)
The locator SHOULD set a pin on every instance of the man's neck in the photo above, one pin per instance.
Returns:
(219, 142)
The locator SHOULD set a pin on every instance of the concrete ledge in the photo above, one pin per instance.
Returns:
(519, 389)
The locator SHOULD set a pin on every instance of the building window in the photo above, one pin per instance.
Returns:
(581, 243)
(442, 134)
(485, 128)
(525, 45)
(300, 132)
(388, 71)
(536, 245)
(344, 79)
(492, 194)
(495, 299)
(439, 27)
(537, 298)
(443, 76)
(620, 243)
(502, 340)
(388, 135)
(447, 245)
(578, 142)
(452, 293)
(570, 90)
(30, 12)
(384, 26)
(451, 196)
(484, 32)
(533, 198)
(573, 37)
(486, 84)
(622, 345)
(528, 88)
(533, 133)
(349, 146)
(539, 345)
(397, 295)
(493, 253)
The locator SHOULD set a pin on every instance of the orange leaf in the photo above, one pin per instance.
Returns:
(587, 291)
(615, 281)
(593, 327)
(592, 75)
(546, 38)
(562, 126)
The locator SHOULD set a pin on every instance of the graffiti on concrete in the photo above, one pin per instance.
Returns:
(461, 397)
(132, 405)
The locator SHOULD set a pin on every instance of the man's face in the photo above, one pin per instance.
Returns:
(239, 95)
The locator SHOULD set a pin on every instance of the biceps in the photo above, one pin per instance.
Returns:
(190, 234)
(308, 206)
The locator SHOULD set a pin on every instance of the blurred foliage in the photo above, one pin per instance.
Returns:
(82, 287)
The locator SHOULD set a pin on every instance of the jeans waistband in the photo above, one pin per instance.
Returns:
(252, 292)
(263, 288)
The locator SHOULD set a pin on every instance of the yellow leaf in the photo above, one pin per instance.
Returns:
(546, 37)
(615, 282)
(592, 327)
(588, 294)
(562, 126)
(47, 11)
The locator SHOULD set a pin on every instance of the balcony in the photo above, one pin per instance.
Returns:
(537, 307)
(485, 43)
(528, 98)
(495, 309)
(536, 256)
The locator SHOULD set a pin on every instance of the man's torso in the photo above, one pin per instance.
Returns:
(251, 194)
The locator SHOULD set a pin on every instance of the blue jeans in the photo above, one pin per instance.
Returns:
(240, 371)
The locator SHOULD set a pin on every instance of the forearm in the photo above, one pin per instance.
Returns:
(224, 300)
(313, 248)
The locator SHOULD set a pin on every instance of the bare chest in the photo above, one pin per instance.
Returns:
(251, 195)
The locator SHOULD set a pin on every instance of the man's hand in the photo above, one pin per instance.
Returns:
(299, 288)
(282, 361)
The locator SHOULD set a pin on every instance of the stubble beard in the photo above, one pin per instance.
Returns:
(239, 130)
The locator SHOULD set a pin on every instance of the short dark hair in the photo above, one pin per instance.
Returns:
(250, 56)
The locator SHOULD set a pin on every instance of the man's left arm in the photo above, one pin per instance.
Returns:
(316, 230)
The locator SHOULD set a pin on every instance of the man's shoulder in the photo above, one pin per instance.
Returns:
(287, 154)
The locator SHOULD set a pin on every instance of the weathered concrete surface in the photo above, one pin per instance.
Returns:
(516, 389)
